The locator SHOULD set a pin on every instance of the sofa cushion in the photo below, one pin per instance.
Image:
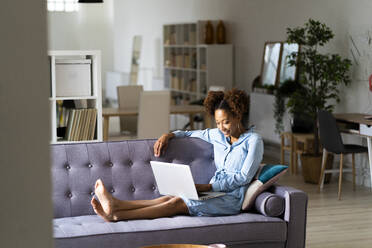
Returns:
(91, 231)
(269, 204)
(266, 176)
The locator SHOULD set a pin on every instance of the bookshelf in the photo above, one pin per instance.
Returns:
(191, 66)
(75, 96)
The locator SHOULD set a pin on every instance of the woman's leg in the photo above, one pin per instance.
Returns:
(112, 209)
(129, 205)
(110, 203)
(171, 207)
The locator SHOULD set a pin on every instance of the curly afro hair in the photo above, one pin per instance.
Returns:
(233, 101)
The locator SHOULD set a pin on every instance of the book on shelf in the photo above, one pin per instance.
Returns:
(84, 135)
(61, 112)
(193, 60)
(71, 117)
(182, 83)
(192, 37)
(187, 61)
(93, 124)
(85, 125)
(175, 82)
(173, 60)
(81, 124)
(90, 124)
(179, 60)
(76, 125)
(173, 38)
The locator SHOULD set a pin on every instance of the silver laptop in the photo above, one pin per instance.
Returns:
(176, 180)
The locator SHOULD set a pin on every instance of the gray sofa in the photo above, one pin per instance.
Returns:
(125, 169)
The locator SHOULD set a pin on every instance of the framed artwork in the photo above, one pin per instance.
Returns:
(275, 68)
(136, 52)
(270, 63)
(287, 72)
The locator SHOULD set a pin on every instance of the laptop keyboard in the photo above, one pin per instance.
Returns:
(201, 194)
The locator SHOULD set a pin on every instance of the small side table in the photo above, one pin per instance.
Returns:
(296, 144)
(286, 145)
(303, 143)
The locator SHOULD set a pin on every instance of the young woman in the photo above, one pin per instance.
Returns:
(237, 152)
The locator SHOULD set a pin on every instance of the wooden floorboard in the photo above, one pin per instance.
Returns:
(332, 223)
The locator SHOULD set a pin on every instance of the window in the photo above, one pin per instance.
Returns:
(63, 5)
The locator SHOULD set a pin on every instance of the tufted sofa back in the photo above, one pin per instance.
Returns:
(123, 166)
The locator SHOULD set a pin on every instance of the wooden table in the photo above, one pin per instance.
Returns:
(356, 124)
(190, 110)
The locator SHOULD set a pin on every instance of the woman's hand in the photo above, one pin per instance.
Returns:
(203, 187)
(162, 143)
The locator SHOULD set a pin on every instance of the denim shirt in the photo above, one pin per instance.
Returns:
(236, 163)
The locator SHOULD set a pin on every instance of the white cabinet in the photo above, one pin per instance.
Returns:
(190, 66)
(75, 97)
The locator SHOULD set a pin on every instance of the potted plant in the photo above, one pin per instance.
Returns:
(283, 92)
(320, 76)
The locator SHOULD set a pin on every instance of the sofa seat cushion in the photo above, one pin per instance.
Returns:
(91, 230)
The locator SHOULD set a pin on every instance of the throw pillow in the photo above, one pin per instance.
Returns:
(266, 176)
(269, 204)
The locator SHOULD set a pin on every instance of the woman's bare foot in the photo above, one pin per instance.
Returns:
(97, 207)
(105, 199)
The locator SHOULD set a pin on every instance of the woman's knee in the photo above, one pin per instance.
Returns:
(177, 203)
(166, 198)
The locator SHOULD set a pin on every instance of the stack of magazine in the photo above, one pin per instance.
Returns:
(81, 124)
(77, 121)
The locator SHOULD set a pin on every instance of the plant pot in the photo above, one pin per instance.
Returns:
(302, 124)
(311, 166)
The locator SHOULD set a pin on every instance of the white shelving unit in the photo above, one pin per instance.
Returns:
(92, 100)
(190, 66)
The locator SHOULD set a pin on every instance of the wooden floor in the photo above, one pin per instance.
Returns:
(334, 223)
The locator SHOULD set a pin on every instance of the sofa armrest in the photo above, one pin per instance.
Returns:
(295, 214)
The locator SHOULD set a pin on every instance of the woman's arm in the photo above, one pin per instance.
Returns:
(201, 134)
(162, 143)
(251, 164)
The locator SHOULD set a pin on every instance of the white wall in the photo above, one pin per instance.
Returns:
(91, 28)
(249, 25)
(25, 188)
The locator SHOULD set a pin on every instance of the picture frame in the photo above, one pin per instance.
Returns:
(270, 63)
(287, 72)
(275, 68)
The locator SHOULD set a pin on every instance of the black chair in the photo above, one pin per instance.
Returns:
(331, 141)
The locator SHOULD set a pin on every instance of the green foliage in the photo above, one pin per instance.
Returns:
(270, 88)
(286, 89)
(319, 74)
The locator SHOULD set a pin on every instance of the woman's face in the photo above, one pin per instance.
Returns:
(226, 123)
